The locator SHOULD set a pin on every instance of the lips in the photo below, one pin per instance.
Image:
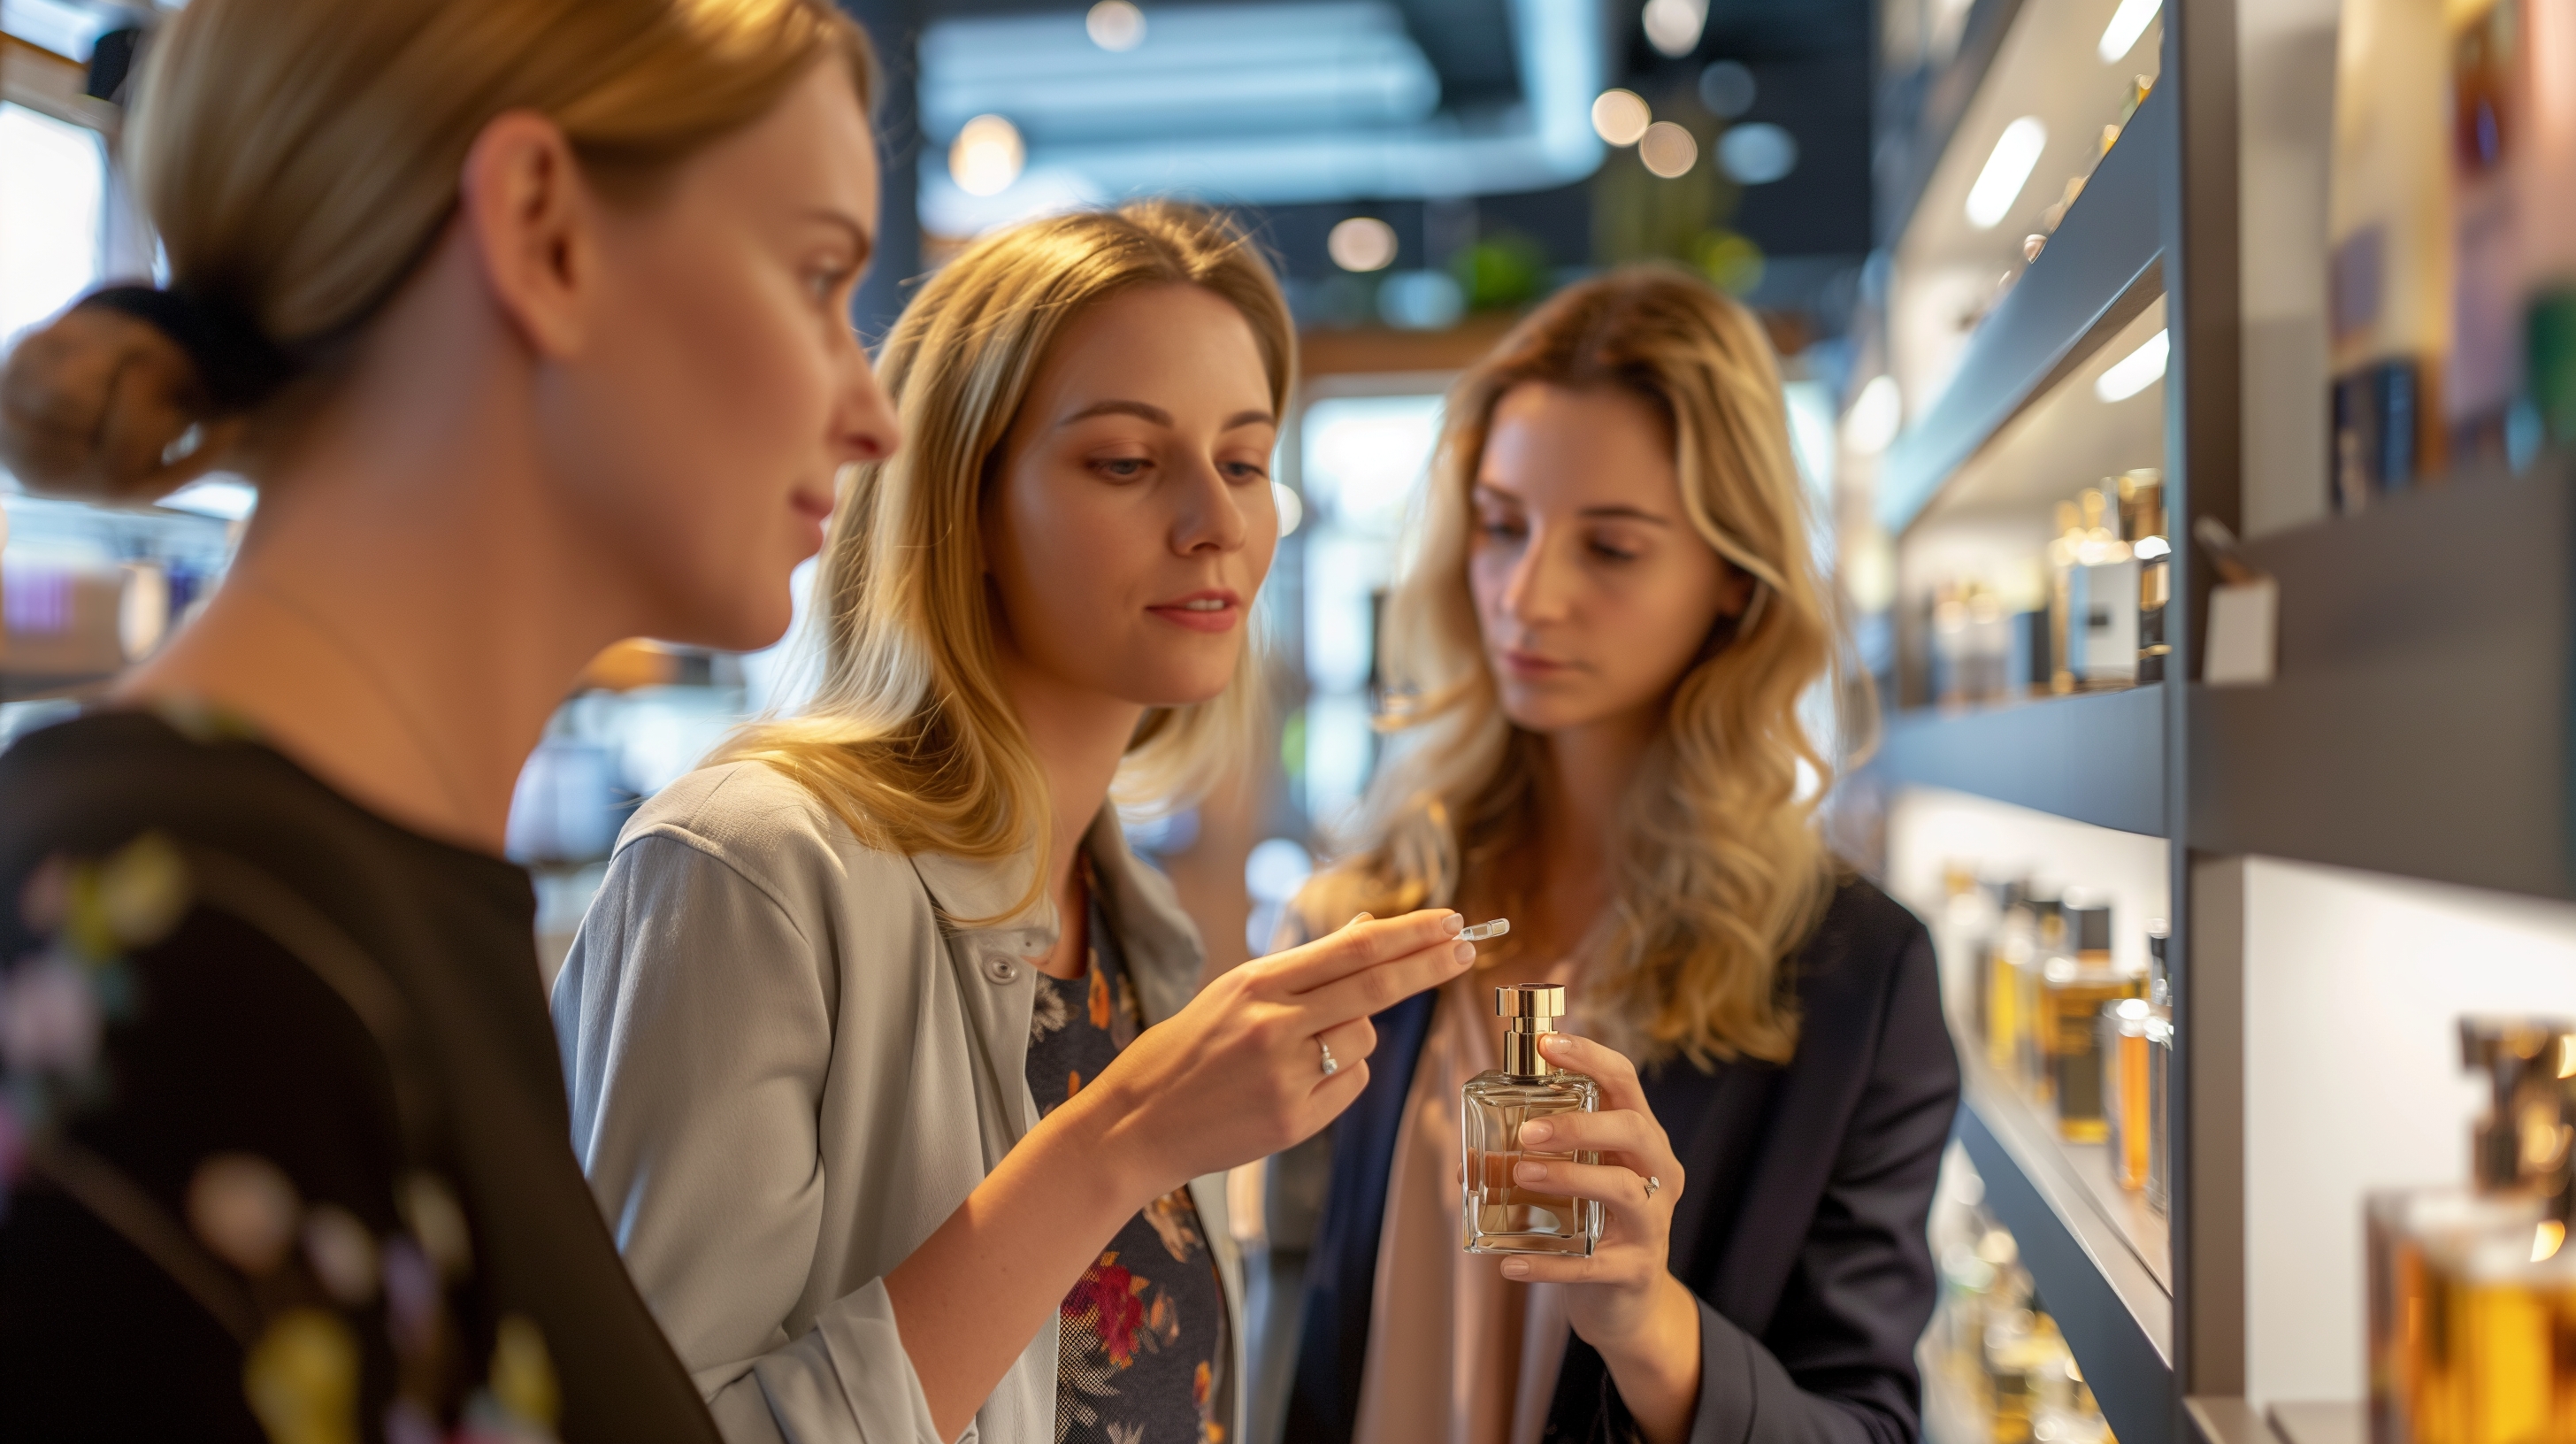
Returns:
(1531, 666)
(1208, 611)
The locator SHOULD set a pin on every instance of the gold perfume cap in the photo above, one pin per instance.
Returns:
(1533, 1009)
(1529, 1000)
(2524, 1140)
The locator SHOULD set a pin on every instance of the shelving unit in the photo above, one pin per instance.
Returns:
(2419, 722)
(2145, 1301)
(2099, 1258)
(2043, 754)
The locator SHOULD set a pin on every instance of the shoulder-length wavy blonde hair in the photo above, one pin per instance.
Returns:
(1719, 872)
(909, 737)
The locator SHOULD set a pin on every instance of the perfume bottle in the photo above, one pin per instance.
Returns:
(2137, 1054)
(2073, 986)
(2467, 1285)
(1497, 1214)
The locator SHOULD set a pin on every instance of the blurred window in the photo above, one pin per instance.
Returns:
(53, 204)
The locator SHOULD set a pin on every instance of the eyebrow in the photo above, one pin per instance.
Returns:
(859, 237)
(1159, 417)
(1597, 513)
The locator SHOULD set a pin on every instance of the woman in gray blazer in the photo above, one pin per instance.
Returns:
(883, 1056)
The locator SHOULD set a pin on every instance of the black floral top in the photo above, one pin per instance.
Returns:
(282, 1134)
(1144, 1331)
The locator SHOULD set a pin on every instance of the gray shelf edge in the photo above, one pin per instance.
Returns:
(2095, 757)
(2100, 270)
(2419, 723)
(2116, 1318)
(2224, 1419)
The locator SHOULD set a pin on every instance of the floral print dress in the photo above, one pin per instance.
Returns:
(1144, 1331)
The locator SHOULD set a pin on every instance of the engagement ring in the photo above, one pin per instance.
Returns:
(1330, 1066)
(1652, 1183)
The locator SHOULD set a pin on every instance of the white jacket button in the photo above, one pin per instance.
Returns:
(1001, 970)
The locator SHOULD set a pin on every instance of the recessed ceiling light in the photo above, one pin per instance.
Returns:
(987, 156)
(1620, 116)
(1115, 25)
(1362, 243)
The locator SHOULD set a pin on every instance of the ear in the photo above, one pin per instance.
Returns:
(1734, 590)
(531, 225)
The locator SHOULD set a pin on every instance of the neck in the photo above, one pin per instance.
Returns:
(406, 610)
(1584, 776)
(1079, 737)
(1584, 781)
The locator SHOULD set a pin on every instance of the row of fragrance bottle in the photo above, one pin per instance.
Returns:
(1997, 1369)
(2472, 1321)
(2093, 621)
(2452, 231)
(2080, 1033)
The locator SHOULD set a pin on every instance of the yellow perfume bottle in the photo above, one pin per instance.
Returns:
(2470, 1289)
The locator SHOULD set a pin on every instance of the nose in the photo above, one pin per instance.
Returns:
(1210, 520)
(1535, 593)
(864, 427)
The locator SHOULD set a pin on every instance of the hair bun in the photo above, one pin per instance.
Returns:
(92, 405)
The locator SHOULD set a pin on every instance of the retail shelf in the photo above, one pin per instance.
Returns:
(2096, 757)
(2419, 722)
(2226, 1419)
(2099, 1262)
(2339, 1422)
(2099, 271)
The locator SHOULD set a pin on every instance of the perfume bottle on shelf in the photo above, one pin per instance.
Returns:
(1499, 1214)
(2011, 1041)
(2470, 1288)
(2012, 927)
(2074, 985)
(2137, 1056)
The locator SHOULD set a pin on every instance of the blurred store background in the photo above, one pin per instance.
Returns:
(1421, 170)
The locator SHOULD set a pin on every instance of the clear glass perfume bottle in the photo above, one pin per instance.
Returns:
(1497, 1214)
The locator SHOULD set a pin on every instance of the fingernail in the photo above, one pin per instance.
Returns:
(1463, 952)
(1356, 920)
(1529, 1173)
(1453, 925)
(1534, 1133)
(1516, 1268)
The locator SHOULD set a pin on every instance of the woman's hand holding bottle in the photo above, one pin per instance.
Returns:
(1240, 1073)
(1644, 1322)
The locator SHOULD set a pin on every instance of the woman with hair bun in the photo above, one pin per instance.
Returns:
(1600, 654)
(530, 320)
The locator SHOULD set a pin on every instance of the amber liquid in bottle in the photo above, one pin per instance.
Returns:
(1496, 1213)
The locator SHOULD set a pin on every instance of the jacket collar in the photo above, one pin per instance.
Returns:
(1161, 942)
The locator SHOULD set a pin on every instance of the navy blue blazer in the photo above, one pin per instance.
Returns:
(1801, 1229)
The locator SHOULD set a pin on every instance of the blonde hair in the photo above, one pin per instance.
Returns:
(1718, 872)
(909, 737)
(298, 158)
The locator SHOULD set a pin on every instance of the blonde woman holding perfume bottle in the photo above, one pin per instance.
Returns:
(883, 1053)
(1600, 653)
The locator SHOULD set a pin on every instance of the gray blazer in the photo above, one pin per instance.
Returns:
(787, 1070)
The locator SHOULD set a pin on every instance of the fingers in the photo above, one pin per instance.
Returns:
(1622, 1188)
(1622, 1130)
(1616, 1267)
(1363, 943)
(1606, 1065)
(1329, 1099)
(1351, 1042)
(1376, 989)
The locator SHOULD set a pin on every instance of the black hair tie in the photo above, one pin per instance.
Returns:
(237, 362)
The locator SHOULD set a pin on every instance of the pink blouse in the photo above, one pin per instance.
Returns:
(1456, 1353)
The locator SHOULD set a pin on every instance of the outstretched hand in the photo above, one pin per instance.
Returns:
(1239, 1073)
